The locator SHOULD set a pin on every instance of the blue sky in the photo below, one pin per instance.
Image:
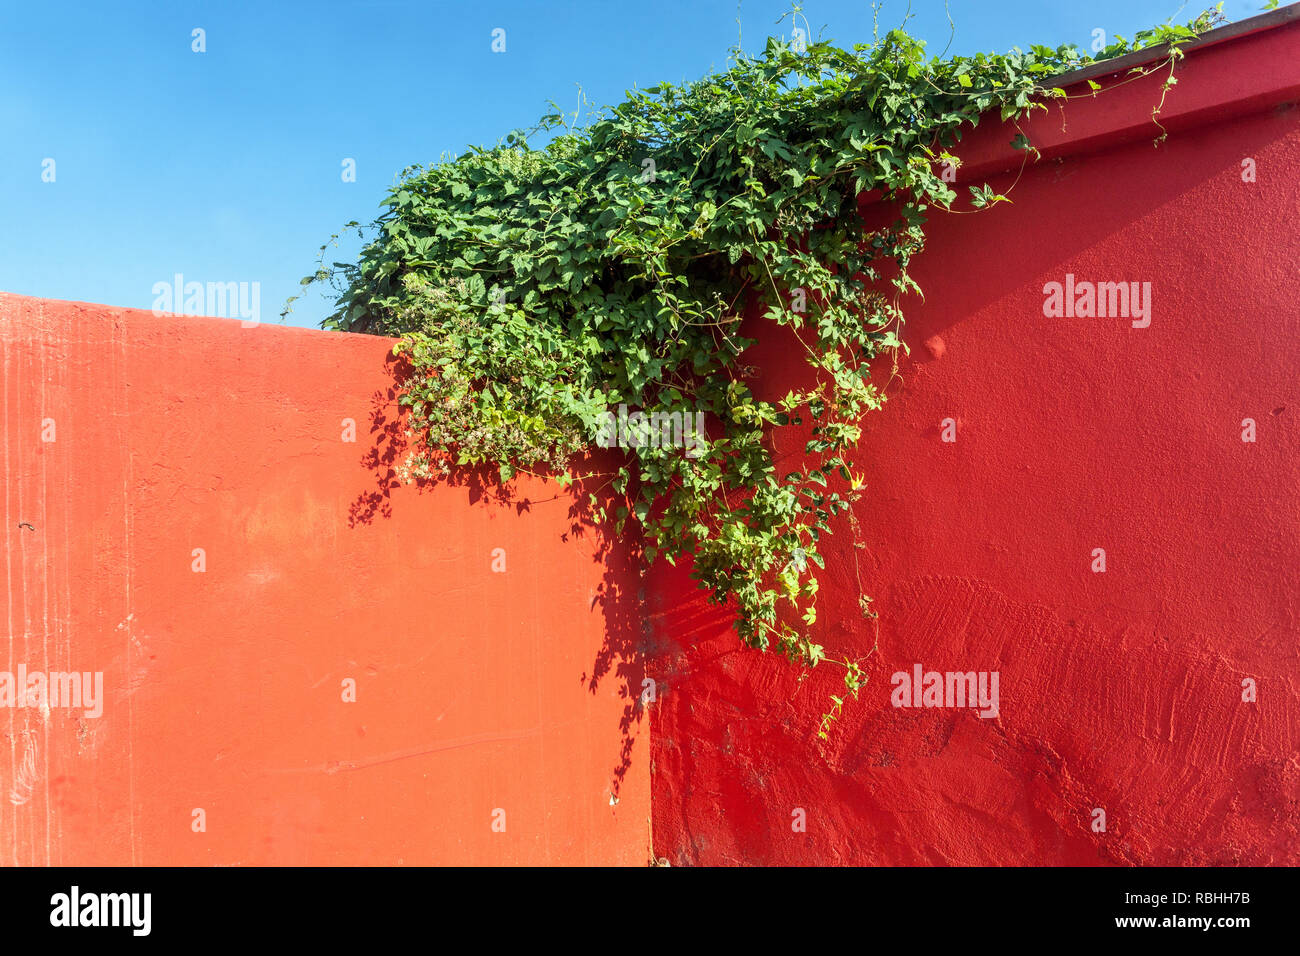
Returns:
(225, 166)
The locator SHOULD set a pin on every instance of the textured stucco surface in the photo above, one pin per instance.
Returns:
(1119, 690)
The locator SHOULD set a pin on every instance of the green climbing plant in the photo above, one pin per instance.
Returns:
(536, 289)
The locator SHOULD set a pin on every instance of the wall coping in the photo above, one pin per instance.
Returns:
(1233, 71)
(1229, 31)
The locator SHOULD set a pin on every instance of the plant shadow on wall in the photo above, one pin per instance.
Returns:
(548, 296)
(394, 445)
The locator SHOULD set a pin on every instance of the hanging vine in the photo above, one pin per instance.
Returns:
(538, 290)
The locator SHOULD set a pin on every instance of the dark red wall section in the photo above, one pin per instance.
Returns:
(1119, 691)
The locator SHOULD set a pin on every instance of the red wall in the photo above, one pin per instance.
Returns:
(475, 690)
(479, 690)
(1119, 690)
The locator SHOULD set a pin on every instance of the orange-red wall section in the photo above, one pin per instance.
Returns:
(482, 696)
